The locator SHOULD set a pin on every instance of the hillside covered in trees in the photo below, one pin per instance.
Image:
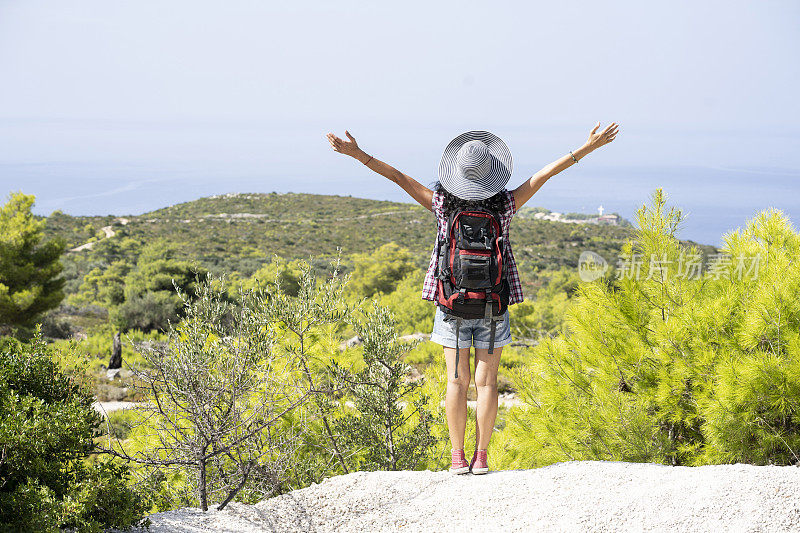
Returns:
(120, 270)
(239, 232)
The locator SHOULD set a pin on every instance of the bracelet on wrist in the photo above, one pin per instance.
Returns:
(573, 156)
(368, 160)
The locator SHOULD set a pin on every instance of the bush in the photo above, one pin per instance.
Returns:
(215, 393)
(382, 270)
(542, 313)
(392, 436)
(120, 423)
(413, 314)
(56, 327)
(48, 476)
(148, 311)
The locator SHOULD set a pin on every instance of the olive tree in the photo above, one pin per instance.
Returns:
(215, 395)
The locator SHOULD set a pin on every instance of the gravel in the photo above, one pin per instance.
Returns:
(570, 496)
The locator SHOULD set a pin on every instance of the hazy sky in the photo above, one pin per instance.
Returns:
(101, 100)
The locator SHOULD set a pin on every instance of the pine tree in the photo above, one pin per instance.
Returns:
(150, 301)
(672, 362)
(29, 268)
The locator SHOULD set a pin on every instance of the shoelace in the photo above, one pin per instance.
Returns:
(457, 458)
(480, 458)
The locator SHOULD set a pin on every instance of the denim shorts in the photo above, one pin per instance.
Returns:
(473, 332)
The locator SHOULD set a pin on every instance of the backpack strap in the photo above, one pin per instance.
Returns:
(488, 309)
(449, 230)
(458, 328)
(443, 268)
(492, 329)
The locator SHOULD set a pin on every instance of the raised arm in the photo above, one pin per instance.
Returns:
(418, 192)
(524, 192)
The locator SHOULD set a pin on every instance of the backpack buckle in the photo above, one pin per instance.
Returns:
(461, 294)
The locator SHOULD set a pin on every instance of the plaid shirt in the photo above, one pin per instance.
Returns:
(430, 286)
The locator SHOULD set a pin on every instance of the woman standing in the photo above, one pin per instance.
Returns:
(473, 172)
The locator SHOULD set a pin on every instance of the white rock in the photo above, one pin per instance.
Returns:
(570, 496)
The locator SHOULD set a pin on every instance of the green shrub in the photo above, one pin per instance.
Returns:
(48, 476)
(546, 301)
(392, 437)
(120, 423)
(381, 270)
(148, 311)
(413, 314)
(425, 353)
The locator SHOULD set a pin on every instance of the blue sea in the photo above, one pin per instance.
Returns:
(714, 201)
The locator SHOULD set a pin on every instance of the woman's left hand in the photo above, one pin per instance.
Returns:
(596, 140)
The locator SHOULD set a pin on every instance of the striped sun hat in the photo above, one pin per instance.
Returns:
(475, 165)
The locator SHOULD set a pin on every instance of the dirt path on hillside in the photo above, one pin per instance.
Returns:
(108, 231)
(263, 217)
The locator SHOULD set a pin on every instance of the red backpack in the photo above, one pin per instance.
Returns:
(471, 272)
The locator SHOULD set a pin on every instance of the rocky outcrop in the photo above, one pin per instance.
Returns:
(571, 496)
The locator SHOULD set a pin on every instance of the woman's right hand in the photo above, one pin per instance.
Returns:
(344, 147)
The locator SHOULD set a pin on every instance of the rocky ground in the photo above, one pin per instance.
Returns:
(571, 496)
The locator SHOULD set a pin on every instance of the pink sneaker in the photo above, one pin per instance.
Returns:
(458, 463)
(479, 463)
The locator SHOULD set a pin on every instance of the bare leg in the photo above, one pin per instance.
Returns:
(486, 383)
(455, 401)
